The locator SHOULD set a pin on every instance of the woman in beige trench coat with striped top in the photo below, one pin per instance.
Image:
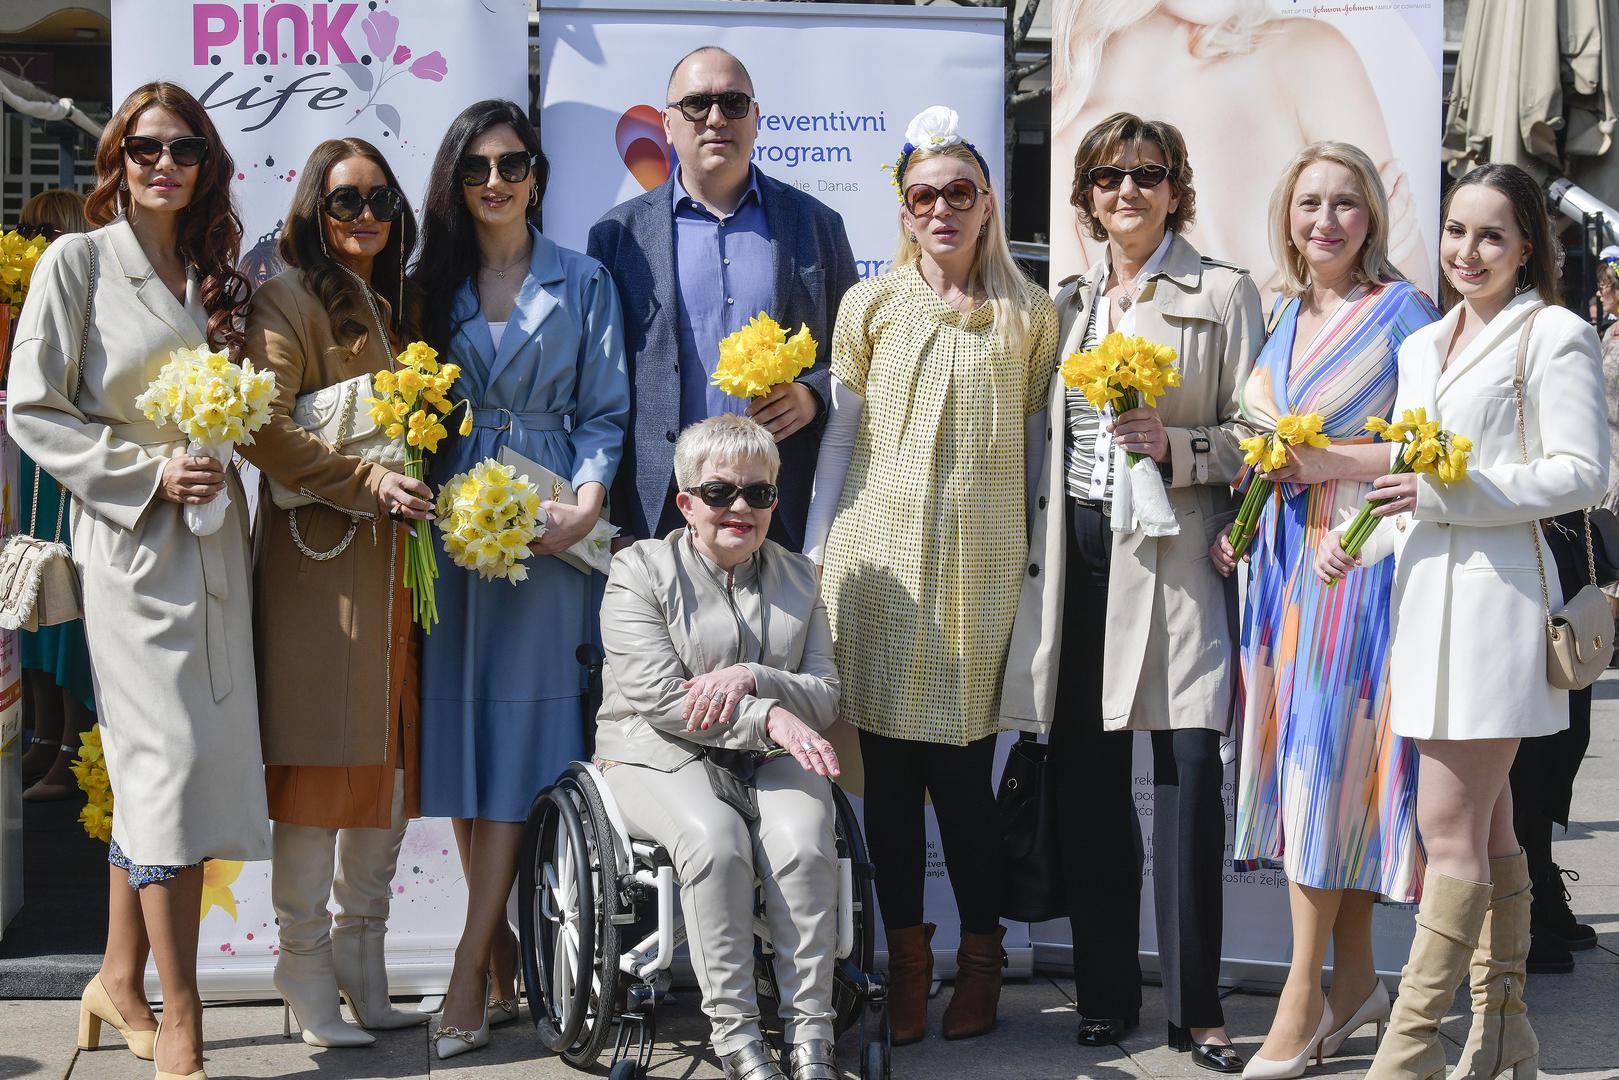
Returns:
(168, 615)
(1104, 553)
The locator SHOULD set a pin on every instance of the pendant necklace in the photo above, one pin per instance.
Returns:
(501, 274)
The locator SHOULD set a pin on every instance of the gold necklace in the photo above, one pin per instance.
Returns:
(501, 274)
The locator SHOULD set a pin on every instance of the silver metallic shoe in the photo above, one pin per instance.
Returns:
(814, 1059)
(753, 1062)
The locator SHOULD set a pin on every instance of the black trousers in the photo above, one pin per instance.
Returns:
(900, 775)
(1101, 840)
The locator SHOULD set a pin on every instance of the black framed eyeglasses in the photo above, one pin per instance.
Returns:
(959, 194)
(1109, 177)
(722, 493)
(29, 232)
(513, 168)
(733, 105)
(147, 151)
(345, 203)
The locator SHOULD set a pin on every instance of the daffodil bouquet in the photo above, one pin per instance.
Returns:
(1428, 449)
(1267, 453)
(90, 770)
(760, 357)
(1125, 372)
(216, 404)
(489, 515)
(17, 259)
(413, 401)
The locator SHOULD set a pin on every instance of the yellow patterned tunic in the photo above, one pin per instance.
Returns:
(925, 558)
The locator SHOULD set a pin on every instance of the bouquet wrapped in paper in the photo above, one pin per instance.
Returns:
(1123, 373)
(1428, 449)
(489, 515)
(760, 357)
(413, 401)
(1267, 453)
(217, 405)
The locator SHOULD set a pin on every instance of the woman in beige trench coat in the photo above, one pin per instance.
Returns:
(167, 614)
(1165, 663)
(338, 686)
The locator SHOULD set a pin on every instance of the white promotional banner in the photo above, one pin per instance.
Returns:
(1248, 92)
(277, 79)
(836, 85)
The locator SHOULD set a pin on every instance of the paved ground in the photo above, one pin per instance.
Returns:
(1576, 1016)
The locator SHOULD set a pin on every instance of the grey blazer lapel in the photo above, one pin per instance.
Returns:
(656, 230)
(783, 250)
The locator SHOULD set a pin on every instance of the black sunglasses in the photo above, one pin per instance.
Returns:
(722, 493)
(958, 194)
(186, 152)
(694, 107)
(345, 203)
(513, 168)
(1108, 177)
(29, 232)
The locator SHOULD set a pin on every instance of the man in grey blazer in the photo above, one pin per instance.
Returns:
(696, 258)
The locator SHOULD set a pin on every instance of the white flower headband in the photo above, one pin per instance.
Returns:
(934, 128)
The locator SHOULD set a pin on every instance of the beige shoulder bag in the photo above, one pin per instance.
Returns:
(1579, 638)
(39, 585)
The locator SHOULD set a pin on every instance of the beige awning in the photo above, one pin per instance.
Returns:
(21, 16)
(1535, 87)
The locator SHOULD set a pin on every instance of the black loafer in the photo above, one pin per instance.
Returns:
(1215, 1057)
(1095, 1031)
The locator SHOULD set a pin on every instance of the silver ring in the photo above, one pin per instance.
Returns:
(807, 744)
(718, 695)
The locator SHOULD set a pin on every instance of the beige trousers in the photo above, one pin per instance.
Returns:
(717, 857)
(313, 867)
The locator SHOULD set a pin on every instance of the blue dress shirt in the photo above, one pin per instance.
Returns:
(724, 276)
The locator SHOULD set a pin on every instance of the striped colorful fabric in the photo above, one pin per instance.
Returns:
(1326, 790)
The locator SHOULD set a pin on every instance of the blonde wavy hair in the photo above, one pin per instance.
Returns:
(1079, 29)
(1372, 266)
(1002, 280)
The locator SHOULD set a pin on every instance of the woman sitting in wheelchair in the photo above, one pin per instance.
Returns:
(719, 658)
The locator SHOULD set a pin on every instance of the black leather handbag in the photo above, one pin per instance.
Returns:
(1032, 889)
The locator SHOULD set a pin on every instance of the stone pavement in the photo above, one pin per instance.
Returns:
(1576, 1016)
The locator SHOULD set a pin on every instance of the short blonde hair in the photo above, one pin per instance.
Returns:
(1372, 265)
(62, 210)
(726, 437)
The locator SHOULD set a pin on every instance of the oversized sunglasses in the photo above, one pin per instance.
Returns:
(345, 203)
(694, 107)
(958, 194)
(513, 168)
(1109, 177)
(48, 232)
(186, 152)
(722, 493)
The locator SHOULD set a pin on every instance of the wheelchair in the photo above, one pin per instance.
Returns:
(598, 932)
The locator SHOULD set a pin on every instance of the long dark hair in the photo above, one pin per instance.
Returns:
(210, 231)
(300, 246)
(1545, 266)
(449, 254)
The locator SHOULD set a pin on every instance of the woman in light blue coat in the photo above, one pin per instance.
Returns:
(537, 332)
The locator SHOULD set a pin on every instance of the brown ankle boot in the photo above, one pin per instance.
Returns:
(910, 976)
(979, 961)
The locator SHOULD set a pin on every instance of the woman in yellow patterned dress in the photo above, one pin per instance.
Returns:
(940, 371)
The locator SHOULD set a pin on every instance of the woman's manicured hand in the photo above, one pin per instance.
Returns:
(803, 742)
(191, 480)
(711, 698)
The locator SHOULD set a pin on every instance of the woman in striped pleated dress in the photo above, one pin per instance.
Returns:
(1326, 790)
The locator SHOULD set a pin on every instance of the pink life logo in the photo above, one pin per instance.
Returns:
(273, 34)
(642, 146)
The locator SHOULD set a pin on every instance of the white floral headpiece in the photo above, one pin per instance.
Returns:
(934, 128)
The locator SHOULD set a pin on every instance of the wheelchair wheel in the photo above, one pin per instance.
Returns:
(876, 1066)
(848, 983)
(569, 898)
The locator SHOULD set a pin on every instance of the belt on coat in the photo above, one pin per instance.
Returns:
(503, 419)
(215, 575)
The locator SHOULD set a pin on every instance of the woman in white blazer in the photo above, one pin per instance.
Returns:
(167, 614)
(1468, 652)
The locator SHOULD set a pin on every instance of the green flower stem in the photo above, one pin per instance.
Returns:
(421, 569)
(1360, 530)
(1128, 400)
(1253, 502)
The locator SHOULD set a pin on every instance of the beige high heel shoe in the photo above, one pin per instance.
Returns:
(161, 1075)
(96, 1008)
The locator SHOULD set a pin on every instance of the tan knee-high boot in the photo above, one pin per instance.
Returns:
(363, 890)
(300, 888)
(1501, 1038)
(1448, 922)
